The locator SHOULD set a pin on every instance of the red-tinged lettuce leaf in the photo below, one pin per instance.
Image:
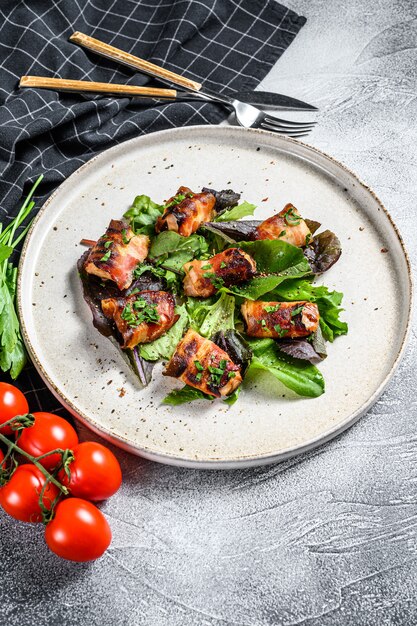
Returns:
(235, 346)
(225, 199)
(313, 226)
(233, 231)
(299, 349)
(323, 252)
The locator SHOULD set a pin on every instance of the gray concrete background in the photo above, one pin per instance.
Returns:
(325, 539)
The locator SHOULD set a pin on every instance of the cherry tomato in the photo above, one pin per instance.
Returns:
(48, 433)
(78, 532)
(95, 472)
(20, 496)
(12, 403)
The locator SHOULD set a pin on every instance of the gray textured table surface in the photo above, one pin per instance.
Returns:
(329, 538)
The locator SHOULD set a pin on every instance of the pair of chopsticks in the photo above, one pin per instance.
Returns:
(115, 54)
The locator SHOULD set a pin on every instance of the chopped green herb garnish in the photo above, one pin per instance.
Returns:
(140, 311)
(281, 331)
(198, 366)
(308, 238)
(125, 240)
(223, 265)
(216, 281)
(291, 217)
(206, 267)
(271, 308)
(297, 310)
(106, 256)
(282, 233)
(231, 374)
(107, 244)
(216, 373)
(263, 323)
(199, 376)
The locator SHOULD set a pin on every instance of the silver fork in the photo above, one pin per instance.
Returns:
(250, 116)
(246, 114)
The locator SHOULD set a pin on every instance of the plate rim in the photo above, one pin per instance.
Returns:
(247, 460)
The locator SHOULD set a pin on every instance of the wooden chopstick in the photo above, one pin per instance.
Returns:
(64, 84)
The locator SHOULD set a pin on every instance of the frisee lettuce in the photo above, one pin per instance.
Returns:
(143, 214)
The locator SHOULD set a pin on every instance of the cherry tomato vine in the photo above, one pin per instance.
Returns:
(57, 486)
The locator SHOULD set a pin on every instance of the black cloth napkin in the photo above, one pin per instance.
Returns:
(229, 45)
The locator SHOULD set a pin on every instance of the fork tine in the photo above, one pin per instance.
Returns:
(284, 127)
(270, 119)
(299, 132)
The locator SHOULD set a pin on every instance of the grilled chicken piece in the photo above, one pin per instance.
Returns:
(141, 317)
(280, 319)
(200, 363)
(186, 211)
(287, 225)
(230, 267)
(117, 253)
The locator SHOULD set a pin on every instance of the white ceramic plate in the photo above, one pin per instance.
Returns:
(268, 423)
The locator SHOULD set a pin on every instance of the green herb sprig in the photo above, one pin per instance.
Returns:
(12, 352)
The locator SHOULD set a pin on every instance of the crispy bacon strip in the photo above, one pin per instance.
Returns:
(142, 317)
(117, 253)
(200, 363)
(288, 225)
(187, 215)
(280, 319)
(230, 267)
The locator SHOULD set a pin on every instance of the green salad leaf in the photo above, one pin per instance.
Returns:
(186, 394)
(300, 376)
(273, 256)
(328, 303)
(237, 212)
(173, 250)
(143, 214)
(208, 316)
(164, 347)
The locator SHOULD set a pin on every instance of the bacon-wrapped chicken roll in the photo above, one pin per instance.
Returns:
(280, 319)
(200, 363)
(230, 267)
(287, 225)
(186, 211)
(117, 253)
(141, 317)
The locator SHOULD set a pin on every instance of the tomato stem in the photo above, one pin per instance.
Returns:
(48, 476)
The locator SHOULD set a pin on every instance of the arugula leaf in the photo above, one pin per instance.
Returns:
(237, 212)
(328, 303)
(12, 352)
(208, 317)
(143, 214)
(186, 394)
(300, 376)
(164, 346)
(274, 256)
